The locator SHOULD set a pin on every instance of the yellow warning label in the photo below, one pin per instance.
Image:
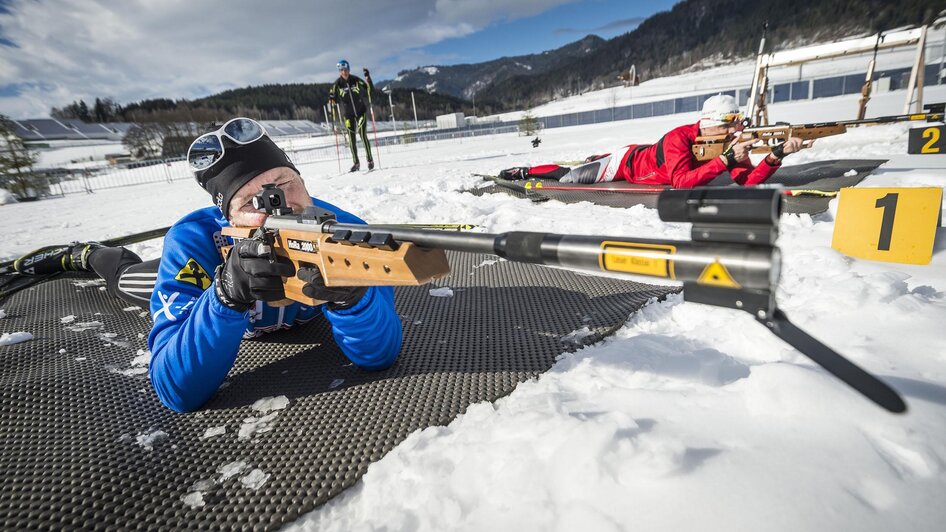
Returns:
(195, 274)
(715, 274)
(637, 258)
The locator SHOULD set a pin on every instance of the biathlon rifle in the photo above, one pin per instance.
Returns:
(708, 147)
(731, 260)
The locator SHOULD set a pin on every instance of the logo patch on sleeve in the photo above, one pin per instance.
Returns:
(195, 274)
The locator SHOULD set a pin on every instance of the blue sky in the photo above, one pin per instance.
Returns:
(53, 52)
(548, 30)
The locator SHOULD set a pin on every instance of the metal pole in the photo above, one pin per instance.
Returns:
(915, 74)
(393, 121)
(414, 104)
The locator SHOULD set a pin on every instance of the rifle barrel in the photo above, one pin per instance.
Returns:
(747, 266)
(915, 117)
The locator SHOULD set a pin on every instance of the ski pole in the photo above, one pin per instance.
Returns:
(338, 155)
(377, 147)
(374, 129)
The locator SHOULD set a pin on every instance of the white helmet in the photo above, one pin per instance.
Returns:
(720, 110)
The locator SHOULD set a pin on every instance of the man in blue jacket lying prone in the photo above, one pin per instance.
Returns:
(200, 318)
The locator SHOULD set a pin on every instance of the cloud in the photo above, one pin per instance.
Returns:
(629, 23)
(57, 51)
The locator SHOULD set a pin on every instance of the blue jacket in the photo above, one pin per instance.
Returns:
(195, 339)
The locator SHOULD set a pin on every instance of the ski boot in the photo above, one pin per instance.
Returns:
(370, 165)
(512, 174)
(355, 167)
(55, 259)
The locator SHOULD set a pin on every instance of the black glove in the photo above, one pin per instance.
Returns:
(252, 272)
(365, 70)
(730, 155)
(337, 297)
(331, 99)
(778, 151)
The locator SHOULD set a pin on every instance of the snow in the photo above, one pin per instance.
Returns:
(3, 314)
(444, 291)
(6, 197)
(255, 479)
(214, 431)
(15, 338)
(430, 70)
(268, 404)
(194, 499)
(147, 440)
(689, 417)
(231, 470)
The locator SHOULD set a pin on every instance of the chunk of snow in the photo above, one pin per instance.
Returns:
(255, 479)
(142, 358)
(253, 425)
(194, 499)
(444, 291)
(214, 431)
(577, 337)
(850, 173)
(84, 326)
(268, 404)
(230, 470)
(147, 440)
(3, 314)
(15, 338)
(67, 319)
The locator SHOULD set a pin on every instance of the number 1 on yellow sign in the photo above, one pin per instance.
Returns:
(888, 224)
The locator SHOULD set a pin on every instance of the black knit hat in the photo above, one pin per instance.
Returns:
(239, 165)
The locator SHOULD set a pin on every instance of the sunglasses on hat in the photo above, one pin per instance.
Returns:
(208, 149)
(730, 117)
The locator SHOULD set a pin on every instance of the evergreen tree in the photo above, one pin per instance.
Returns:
(16, 164)
(528, 124)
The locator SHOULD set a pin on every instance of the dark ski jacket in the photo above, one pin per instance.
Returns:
(351, 94)
(195, 339)
(671, 162)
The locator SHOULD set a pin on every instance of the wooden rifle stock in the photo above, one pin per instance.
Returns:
(708, 147)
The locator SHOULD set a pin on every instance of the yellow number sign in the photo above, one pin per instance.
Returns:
(927, 139)
(888, 224)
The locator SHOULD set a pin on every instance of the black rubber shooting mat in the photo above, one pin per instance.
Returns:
(76, 416)
(825, 176)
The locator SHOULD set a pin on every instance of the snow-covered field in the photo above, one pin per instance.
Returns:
(690, 417)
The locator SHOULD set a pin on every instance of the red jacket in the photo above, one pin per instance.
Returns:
(680, 168)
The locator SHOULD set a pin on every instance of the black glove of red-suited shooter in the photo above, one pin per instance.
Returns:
(251, 273)
(337, 297)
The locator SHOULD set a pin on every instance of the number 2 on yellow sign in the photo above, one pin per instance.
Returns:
(930, 147)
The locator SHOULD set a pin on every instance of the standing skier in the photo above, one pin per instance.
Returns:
(670, 161)
(349, 92)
